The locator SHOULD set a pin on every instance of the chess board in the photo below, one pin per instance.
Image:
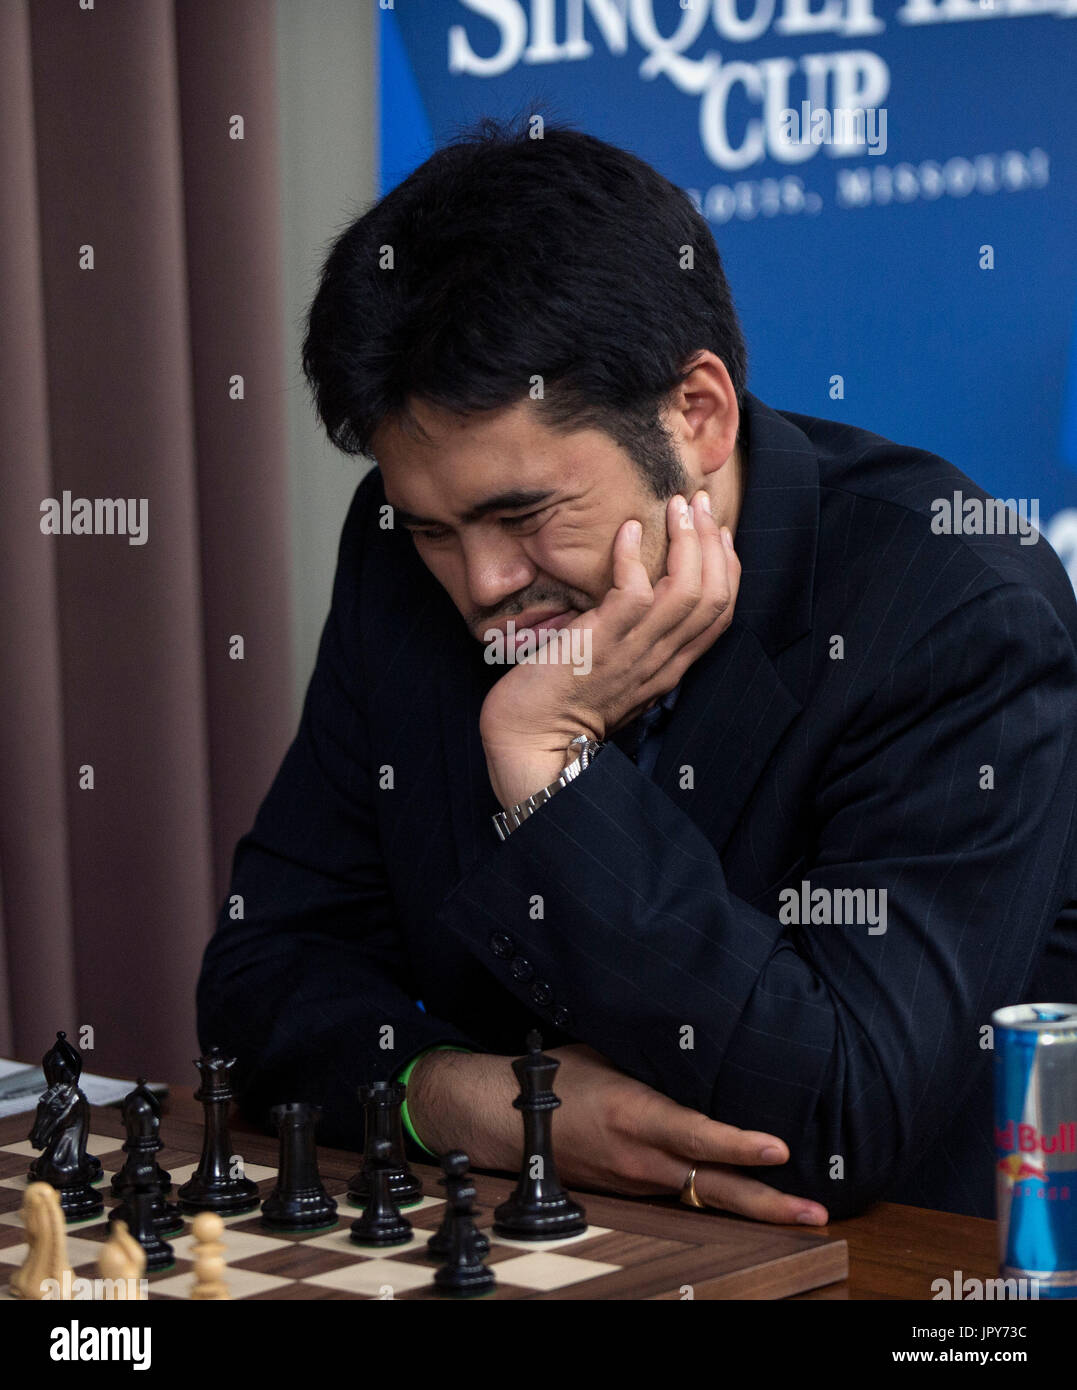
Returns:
(631, 1250)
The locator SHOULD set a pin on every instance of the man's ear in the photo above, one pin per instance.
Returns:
(709, 417)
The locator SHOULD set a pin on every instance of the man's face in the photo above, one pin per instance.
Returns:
(514, 520)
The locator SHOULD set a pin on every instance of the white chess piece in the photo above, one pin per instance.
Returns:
(208, 1257)
(122, 1263)
(46, 1235)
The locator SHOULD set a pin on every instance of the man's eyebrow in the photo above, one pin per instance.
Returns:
(513, 501)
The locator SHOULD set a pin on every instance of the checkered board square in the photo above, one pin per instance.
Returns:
(628, 1251)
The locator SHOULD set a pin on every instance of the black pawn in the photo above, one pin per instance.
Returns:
(382, 1101)
(62, 1065)
(211, 1186)
(539, 1208)
(141, 1116)
(145, 1140)
(141, 1198)
(381, 1222)
(299, 1202)
(454, 1165)
(463, 1275)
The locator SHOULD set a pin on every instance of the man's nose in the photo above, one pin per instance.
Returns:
(497, 568)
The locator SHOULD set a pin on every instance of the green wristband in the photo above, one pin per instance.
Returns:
(403, 1078)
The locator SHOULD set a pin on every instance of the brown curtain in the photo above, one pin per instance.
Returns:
(117, 140)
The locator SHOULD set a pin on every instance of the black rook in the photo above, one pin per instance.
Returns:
(382, 1101)
(299, 1202)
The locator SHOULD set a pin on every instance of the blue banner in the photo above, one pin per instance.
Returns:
(892, 188)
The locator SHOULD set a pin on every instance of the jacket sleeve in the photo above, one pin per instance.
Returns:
(311, 988)
(845, 1043)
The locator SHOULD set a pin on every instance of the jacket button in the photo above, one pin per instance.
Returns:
(541, 992)
(522, 969)
(502, 945)
(561, 1017)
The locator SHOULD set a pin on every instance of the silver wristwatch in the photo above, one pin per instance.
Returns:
(582, 749)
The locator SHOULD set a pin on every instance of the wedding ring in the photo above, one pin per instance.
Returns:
(689, 1195)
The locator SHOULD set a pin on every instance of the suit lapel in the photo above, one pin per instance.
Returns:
(732, 710)
(464, 679)
(443, 671)
(734, 706)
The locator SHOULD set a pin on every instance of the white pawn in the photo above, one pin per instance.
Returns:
(208, 1252)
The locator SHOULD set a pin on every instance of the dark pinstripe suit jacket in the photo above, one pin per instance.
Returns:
(372, 877)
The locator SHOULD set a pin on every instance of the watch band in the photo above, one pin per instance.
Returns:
(584, 748)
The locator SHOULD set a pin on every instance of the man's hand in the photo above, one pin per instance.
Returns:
(643, 639)
(611, 1133)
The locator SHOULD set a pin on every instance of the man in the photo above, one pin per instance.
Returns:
(819, 817)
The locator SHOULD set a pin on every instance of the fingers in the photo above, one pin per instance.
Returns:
(630, 577)
(735, 1192)
(718, 584)
(687, 1133)
(723, 1187)
(684, 563)
(657, 632)
(694, 649)
(702, 579)
(716, 1150)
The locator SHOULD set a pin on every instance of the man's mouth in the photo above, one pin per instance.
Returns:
(534, 626)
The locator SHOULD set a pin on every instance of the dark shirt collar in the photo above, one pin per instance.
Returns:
(666, 703)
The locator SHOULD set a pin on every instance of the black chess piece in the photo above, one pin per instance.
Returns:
(382, 1101)
(299, 1202)
(141, 1199)
(381, 1222)
(62, 1065)
(61, 1127)
(144, 1139)
(463, 1275)
(454, 1165)
(141, 1117)
(211, 1186)
(539, 1208)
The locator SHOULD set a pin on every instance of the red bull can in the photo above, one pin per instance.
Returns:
(1036, 1146)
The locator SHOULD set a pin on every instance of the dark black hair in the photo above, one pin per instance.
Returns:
(515, 257)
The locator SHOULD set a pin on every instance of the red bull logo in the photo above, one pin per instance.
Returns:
(1015, 1170)
(1024, 1138)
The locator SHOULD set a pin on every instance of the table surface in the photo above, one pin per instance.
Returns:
(895, 1252)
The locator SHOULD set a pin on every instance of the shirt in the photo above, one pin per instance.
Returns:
(642, 739)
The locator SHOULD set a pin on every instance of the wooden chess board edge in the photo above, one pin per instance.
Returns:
(782, 1278)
